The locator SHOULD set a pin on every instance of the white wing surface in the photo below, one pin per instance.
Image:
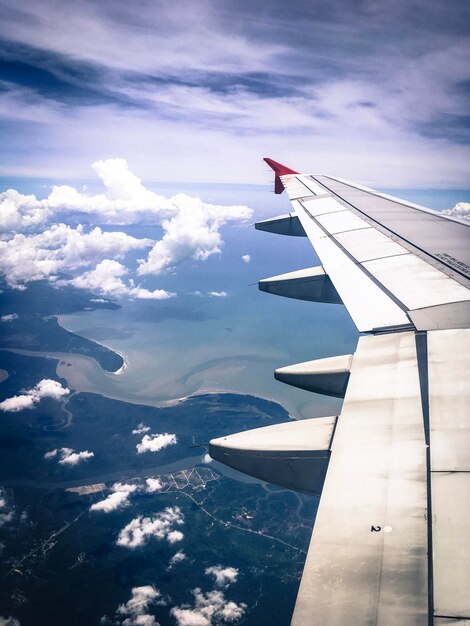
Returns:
(391, 541)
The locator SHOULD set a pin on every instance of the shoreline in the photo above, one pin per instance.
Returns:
(124, 358)
(203, 391)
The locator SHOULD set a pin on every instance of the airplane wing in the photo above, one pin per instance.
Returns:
(391, 540)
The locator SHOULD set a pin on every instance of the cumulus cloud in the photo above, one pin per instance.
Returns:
(153, 484)
(217, 294)
(60, 248)
(209, 608)
(141, 428)
(67, 456)
(246, 258)
(18, 403)
(223, 576)
(207, 458)
(136, 609)
(155, 442)
(191, 231)
(9, 318)
(174, 536)
(118, 499)
(107, 279)
(18, 211)
(125, 201)
(461, 210)
(177, 558)
(45, 388)
(161, 526)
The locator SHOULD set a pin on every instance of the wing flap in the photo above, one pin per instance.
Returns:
(367, 562)
(449, 399)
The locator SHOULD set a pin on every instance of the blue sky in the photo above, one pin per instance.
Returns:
(376, 92)
(109, 110)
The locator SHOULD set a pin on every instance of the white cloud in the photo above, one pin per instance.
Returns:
(155, 442)
(207, 458)
(209, 609)
(141, 428)
(7, 514)
(461, 210)
(145, 294)
(18, 212)
(107, 279)
(9, 621)
(217, 294)
(125, 201)
(160, 526)
(115, 500)
(118, 499)
(211, 294)
(174, 536)
(68, 456)
(177, 558)
(18, 403)
(191, 46)
(136, 609)
(246, 258)
(223, 576)
(60, 248)
(9, 318)
(192, 233)
(153, 484)
(45, 388)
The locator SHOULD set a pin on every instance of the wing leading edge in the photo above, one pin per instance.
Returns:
(391, 542)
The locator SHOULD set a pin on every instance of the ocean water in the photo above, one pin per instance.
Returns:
(196, 344)
(199, 344)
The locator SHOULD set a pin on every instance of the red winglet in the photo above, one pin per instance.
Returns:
(279, 170)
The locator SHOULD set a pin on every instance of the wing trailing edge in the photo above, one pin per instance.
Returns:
(391, 542)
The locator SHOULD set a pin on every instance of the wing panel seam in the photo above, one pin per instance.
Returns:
(454, 274)
(371, 277)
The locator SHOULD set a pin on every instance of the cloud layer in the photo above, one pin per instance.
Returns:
(191, 230)
(198, 99)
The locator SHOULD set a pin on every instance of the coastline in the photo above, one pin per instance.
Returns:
(124, 358)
